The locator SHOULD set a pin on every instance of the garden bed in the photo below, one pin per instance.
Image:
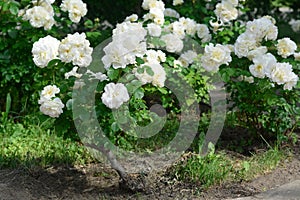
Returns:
(95, 181)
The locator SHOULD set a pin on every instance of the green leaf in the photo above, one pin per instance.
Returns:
(93, 35)
(115, 127)
(5, 7)
(139, 61)
(149, 71)
(112, 73)
(12, 33)
(133, 85)
(89, 23)
(140, 70)
(130, 77)
(69, 104)
(163, 90)
(53, 63)
(13, 9)
(139, 93)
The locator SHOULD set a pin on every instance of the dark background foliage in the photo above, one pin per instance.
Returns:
(18, 74)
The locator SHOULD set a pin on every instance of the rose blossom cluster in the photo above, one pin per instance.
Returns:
(265, 64)
(74, 48)
(40, 15)
(42, 12)
(130, 40)
(256, 31)
(152, 71)
(51, 105)
(156, 11)
(226, 11)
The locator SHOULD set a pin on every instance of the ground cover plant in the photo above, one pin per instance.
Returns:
(152, 82)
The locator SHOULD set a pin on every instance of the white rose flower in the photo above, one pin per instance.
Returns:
(295, 24)
(173, 42)
(187, 58)
(297, 56)
(159, 76)
(177, 2)
(233, 2)
(131, 18)
(291, 81)
(76, 9)
(244, 44)
(153, 56)
(270, 62)
(256, 52)
(215, 56)
(190, 25)
(76, 48)
(115, 95)
(262, 28)
(226, 12)
(263, 65)
(154, 29)
(45, 50)
(114, 55)
(177, 63)
(281, 73)
(39, 16)
(203, 32)
(49, 91)
(146, 4)
(53, 108)
(157, 15)
(78, 84)
(286, 47)
(249, 79)
(178, 29)
(161, 56)
(128, 43)
(157, 79)
(150, 4)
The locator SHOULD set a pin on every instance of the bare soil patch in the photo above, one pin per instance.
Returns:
(98, 182)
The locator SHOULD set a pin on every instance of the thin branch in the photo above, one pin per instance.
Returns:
(112, 159)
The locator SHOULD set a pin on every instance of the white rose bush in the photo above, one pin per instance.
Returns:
(150, 54)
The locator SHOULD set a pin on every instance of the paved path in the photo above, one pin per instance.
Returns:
(290, 191)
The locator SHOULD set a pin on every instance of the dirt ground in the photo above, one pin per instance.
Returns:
(98, 182)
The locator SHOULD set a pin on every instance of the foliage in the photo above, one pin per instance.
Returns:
(261, 105)
(18, 74)
(209, 170)
(217, 168)
(33, 143)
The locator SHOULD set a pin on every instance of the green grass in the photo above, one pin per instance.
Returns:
(217, 168)
(29, 144)
(257, 164)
